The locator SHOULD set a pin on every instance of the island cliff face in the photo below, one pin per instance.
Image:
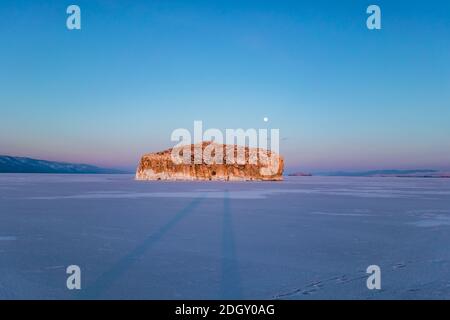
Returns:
(254, 164)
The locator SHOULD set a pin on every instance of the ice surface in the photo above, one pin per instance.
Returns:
(304, 238)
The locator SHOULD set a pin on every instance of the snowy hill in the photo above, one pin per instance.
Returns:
(10, 164)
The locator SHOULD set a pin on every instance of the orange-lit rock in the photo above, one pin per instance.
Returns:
(267, 166)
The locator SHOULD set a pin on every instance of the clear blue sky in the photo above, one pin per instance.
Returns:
(343, 97)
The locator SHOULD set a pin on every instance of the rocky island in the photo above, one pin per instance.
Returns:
(255, 164)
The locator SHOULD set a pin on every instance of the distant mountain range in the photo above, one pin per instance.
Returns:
(10, 164)
(299, 174)
(422, 173)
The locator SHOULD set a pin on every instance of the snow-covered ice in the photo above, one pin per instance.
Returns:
(304, 238)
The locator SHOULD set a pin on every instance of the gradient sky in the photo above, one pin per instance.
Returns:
(343, 97)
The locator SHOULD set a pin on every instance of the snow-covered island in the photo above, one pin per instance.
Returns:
(254, 165)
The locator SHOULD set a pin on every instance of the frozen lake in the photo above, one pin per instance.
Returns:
(304, 238)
